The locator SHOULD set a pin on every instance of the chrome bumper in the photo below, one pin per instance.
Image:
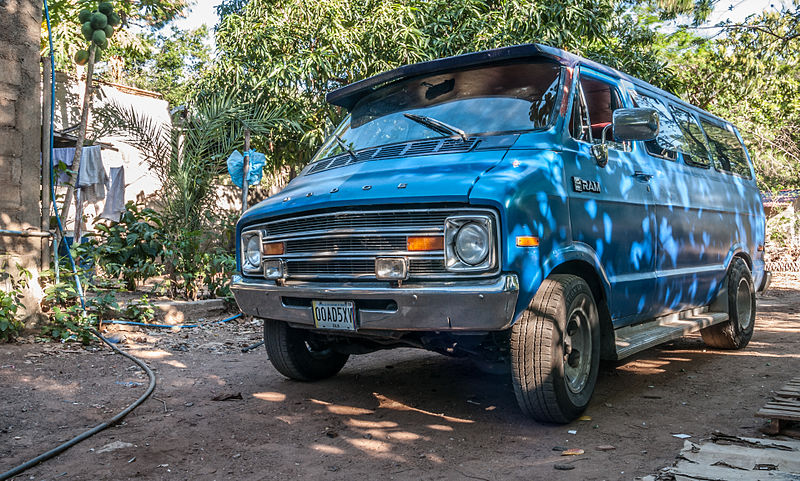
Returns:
(443, 306)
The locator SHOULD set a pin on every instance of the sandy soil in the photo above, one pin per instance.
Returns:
(402, 414)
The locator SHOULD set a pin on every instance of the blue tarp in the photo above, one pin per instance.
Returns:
(236, 166)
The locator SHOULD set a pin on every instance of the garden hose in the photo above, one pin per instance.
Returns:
(150, 374)
(91, 432)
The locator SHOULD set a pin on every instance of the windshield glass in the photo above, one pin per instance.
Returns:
(500, 98)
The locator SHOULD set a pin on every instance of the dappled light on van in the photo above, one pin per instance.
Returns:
(640, 238)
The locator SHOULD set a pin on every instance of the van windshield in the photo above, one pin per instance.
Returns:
(490, 99)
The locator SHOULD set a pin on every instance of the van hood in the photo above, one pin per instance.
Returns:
(439, 178)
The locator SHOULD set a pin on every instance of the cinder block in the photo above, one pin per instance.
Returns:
(8, 92)
(8, 112)
(10, 142)
(10, 72)
(10, 195)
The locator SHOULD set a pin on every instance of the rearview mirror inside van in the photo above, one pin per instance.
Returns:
(635, 124)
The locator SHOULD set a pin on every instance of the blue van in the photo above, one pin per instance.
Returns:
(523, 207)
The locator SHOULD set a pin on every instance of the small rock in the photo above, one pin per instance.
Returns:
(331, 434)
(563, 467)
(114, 446)
(605, 447)
(559, 448)
(189, 404)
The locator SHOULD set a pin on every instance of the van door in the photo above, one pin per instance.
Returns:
(610, 206)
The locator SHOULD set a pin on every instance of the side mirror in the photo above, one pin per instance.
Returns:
(635, 124)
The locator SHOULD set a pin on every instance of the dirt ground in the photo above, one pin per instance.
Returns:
(402, 414)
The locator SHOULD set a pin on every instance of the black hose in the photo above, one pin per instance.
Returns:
(91, 432)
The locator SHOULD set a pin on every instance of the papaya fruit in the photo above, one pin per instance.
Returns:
(84, 16)
(87, 31)
(114, 19)
(81, 57)
(106, 7)
(99, 21)
(99, 37)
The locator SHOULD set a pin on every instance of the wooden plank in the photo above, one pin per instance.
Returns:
(782, 407)
(778, 415)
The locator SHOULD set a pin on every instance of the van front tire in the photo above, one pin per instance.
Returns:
(555, 350)
(297, 356)
(735, 333)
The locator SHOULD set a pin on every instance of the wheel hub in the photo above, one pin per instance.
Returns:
(577, 351)
(744, 305)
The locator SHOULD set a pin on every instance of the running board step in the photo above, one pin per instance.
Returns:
(632, 339)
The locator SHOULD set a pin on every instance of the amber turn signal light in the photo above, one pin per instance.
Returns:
(273, 249)
(527, 241)
(425, 243)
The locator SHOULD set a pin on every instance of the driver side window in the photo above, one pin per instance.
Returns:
(593, 109)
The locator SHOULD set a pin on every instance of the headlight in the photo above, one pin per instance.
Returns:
(472, 243)
(252, 253)
(469, 243)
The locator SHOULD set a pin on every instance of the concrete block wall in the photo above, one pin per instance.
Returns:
(20, 140)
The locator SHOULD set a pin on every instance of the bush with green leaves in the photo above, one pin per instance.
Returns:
(67, 320)
(11, 304)
(128, 249)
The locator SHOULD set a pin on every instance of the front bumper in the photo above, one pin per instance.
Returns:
(479, 305)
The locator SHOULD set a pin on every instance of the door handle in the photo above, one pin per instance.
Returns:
(643, 176)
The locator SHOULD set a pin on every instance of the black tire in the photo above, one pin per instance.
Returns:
(296, 357)
(553, 379)
(735, 333)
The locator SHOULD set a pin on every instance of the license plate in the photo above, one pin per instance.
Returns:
(336, 315)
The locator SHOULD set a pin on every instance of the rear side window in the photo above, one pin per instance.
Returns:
(696, 152)
(726, 150)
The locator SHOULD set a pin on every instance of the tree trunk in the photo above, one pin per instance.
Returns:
(72, 189)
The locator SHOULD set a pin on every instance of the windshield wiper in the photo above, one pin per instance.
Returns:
(344, 147)
(437, 125)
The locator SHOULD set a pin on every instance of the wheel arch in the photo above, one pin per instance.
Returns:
(589, 274)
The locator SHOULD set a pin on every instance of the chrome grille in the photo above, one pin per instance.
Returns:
(344, 245)
(354, 221)
(335, 245)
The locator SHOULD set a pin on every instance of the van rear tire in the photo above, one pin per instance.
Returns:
(735, 333)
(555, 350)
(295, 355)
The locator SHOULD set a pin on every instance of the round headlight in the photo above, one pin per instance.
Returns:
(252, 254)
(472, 243)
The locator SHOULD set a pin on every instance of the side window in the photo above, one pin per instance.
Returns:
(696, 152)
(726, 150)
(670, 139)
(593, 109)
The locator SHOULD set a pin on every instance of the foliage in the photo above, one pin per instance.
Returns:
(170, 64)
(66, 28)
(291, 52)
(750, 76)
(67, 320)
(140, 310)
(127, 249)
(189, 155)
(11, 303)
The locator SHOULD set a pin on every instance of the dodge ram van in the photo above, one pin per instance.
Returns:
(523, 207)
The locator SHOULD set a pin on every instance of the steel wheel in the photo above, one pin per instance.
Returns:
(577, 351)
